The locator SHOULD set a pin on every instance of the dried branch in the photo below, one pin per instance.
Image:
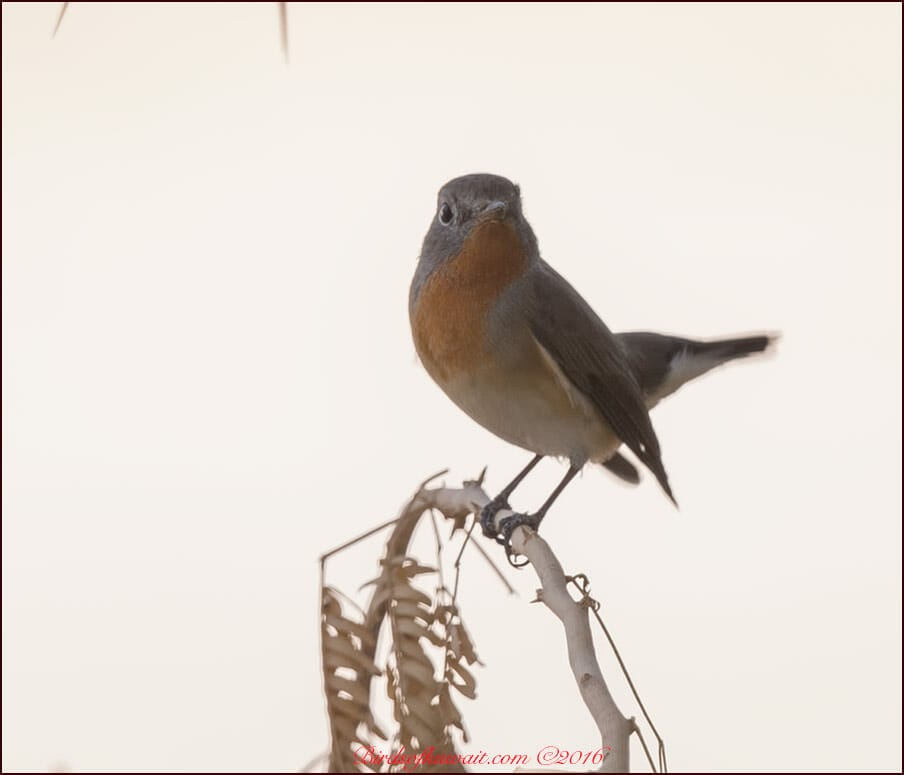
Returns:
(614, 728)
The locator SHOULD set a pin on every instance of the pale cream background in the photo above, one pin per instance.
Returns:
(208, 377)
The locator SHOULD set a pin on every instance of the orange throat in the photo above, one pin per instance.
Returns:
(449, 320)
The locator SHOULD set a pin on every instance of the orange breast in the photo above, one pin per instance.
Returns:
(449, 322)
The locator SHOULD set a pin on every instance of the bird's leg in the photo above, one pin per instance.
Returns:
(508, 524)
(488, 512)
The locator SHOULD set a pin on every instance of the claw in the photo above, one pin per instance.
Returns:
(503, 534)
(488, 516)
(507, 527)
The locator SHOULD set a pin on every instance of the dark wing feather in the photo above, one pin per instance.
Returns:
(594, 361)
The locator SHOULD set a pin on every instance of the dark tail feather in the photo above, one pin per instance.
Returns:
(623, 468)
(662, 364)
(729, 349)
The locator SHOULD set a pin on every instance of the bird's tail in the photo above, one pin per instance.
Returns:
(724, 350)
(623, 468)
(662, 364)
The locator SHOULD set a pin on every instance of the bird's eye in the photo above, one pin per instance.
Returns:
(445, 214)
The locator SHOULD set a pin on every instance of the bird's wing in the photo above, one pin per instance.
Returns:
(594, 361)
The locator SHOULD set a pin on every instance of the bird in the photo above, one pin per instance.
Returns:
(514, 345)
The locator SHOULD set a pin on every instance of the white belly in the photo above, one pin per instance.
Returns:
(535, 410)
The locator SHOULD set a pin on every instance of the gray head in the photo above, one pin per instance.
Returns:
(462, 204)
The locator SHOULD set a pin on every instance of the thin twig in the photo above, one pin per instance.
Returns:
(457, 565)
(405, 512)
(439, 549)
(59, 20)
(324, 557)
(429, 479)
(663, 767)
(284, 30)
(643, 743)
(464, 543)
(476, 544)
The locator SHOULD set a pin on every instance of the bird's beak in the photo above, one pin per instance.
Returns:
(494, 211)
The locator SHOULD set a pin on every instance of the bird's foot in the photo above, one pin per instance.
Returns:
(488, 515)
(508, 525)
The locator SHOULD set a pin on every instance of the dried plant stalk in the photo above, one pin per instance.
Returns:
(418, 625)
(422, 703)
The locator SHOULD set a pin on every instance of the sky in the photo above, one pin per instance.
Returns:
(209, 379)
